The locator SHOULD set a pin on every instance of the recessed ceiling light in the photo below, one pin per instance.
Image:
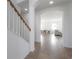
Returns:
(26, 9)
(51, 2)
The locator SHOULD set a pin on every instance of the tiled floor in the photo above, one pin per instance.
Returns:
(50, 48)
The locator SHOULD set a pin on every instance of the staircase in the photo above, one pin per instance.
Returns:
(18, 31)
(15, 22)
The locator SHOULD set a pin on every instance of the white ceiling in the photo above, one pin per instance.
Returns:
(42, 4)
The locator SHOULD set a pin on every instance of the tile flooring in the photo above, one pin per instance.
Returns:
(51, 47)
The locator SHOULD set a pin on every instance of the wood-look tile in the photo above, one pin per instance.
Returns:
(48, 50)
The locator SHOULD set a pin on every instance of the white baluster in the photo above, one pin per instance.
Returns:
(19, 26)
(15, 21)
(8, 16)
(23, 29)
(11, 19)
(24, 32)
(13, 16)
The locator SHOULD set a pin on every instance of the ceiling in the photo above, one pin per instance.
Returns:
(24, 5)
(42, 4)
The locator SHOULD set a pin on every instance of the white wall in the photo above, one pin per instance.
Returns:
(32, 23)
(37, 27)
(17, 47)
(67, 25)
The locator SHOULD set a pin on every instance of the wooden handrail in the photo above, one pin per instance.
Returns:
(19, 14)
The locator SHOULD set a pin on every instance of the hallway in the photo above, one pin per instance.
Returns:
(50, 48)
(28, 18)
